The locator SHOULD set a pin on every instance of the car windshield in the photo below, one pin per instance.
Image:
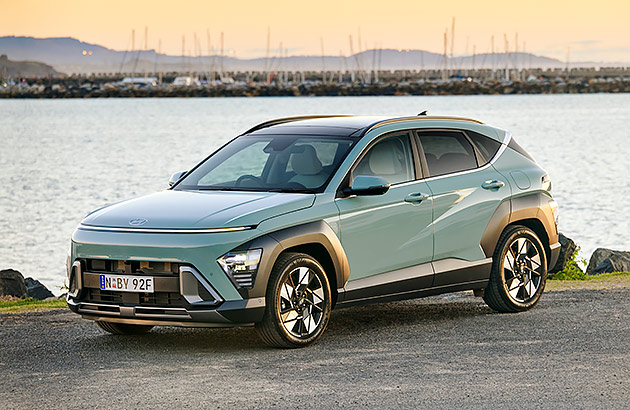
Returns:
(281, 163)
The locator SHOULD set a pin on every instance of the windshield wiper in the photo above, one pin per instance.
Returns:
(230, 189)
(286, 190)
(292, 190)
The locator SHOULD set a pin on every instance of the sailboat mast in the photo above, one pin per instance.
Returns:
(321, 41)
(133, 47)
(221, 57)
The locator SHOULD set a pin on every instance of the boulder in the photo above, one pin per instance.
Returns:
(12, 284)
(566, 252)
(36, 289)
(605, 266)
(607, 260)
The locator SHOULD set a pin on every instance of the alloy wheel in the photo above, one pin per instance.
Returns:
(522, 270)
(301, 302)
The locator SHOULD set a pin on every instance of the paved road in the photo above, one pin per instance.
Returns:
(572, 350)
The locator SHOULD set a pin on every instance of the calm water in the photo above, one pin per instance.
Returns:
(62, 158)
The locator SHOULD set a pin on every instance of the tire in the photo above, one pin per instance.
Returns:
(123, 329)
(519, 271)
(298, 302)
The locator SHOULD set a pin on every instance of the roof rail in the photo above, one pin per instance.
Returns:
(418, 118)
(278, 121)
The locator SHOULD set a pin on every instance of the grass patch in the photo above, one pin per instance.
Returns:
(15, 305)
(604, 281)
(607, 275)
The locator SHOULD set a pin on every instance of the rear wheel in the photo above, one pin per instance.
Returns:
(123, 328)
(519, 271)
(298, 302)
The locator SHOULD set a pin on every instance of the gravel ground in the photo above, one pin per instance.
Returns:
(571, 351)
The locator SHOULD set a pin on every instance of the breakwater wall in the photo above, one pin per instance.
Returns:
(456, 87)
(329, 83)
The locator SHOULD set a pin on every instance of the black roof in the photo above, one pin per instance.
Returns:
(342, 126)
(334, 125)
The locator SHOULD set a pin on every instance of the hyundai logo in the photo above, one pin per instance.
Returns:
(138, 221)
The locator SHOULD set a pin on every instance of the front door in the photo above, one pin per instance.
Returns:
(388, 238)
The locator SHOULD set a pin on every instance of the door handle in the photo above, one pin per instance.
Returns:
(416, 197)
(493, 184)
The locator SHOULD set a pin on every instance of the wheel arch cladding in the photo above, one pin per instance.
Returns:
(316, 239)
(532, 211)
(318, 252)
(539, 229)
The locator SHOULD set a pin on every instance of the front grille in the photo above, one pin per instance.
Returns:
(162, 298)
(97, 295)
(175, 285)
(120, 267)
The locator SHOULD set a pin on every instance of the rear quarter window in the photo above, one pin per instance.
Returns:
(486, 145)
(514, 145)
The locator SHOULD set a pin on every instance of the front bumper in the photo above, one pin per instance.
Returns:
(190, 287)
(232, 313)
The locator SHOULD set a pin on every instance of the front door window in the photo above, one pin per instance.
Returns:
(390, 158)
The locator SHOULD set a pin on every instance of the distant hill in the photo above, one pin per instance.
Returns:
(70, 55)
(30, 69)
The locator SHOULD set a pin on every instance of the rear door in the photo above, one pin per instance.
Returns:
(466, 191)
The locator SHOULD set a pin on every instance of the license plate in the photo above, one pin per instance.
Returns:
(127, 283)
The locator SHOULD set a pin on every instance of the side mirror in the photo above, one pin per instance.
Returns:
(176, 177)
(367, 185)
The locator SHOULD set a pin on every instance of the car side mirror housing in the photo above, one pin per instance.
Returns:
(176, 177)
(367, 185)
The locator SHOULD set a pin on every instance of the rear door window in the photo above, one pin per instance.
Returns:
(447, 152)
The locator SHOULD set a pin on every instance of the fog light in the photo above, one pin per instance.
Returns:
(241, 266)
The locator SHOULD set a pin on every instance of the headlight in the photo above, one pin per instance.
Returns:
(241, 266)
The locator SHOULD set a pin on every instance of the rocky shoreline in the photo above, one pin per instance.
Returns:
(71, 88)
(13, 284)
(603, 260)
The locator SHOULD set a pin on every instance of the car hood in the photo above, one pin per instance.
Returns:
(196, 210)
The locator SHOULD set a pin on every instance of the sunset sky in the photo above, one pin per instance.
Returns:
(596, 31)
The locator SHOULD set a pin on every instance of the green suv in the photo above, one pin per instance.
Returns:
(298, 216)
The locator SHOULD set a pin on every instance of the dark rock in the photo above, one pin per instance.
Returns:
(566, 252)
(36, 289)
(605, 266)
(616, 262)
(12, 284)
(619, 261)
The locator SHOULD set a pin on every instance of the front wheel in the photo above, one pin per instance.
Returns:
(519, 271)
(298, 302)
